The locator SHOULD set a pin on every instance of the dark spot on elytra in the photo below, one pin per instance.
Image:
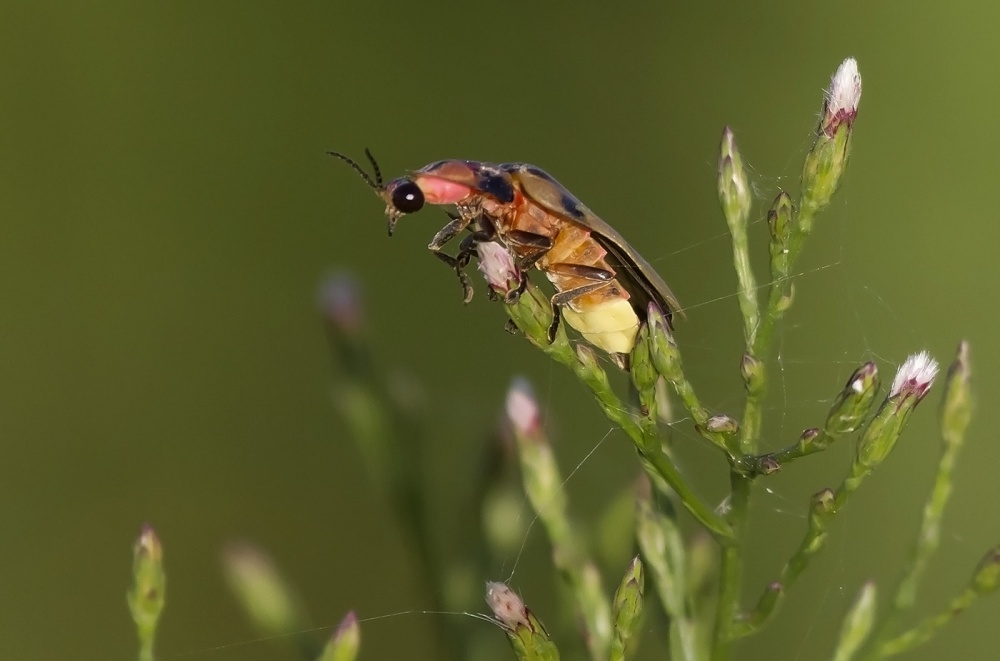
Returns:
(571, 206)
(496, 184)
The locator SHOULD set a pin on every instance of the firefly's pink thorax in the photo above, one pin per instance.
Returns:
(441, 191)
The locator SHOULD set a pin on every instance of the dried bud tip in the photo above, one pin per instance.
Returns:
(349, 622)
(722, 424)
(339, 299)
(768, 466)
(863, 377)
(809, 434)
(961, 364)
(822, 501)
(727, 148)
(522, 408)
(507, 607)
(915, 376)
(842, 97)
(497, 266)
(148, 545)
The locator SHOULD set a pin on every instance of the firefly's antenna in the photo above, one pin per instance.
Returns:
(376, 182)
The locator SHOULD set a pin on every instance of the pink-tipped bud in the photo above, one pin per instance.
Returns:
(497, 266)
(914, 377)
(842, 97)
(522, 408)
(507, 606)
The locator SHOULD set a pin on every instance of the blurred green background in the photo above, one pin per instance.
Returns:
(167, 212)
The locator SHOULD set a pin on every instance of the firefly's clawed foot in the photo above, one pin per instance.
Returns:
(554, 326)
(511, 327)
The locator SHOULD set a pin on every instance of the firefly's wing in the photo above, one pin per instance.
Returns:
(637, 275)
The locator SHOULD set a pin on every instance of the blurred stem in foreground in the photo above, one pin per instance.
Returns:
(384, 414)
(270, 602)
(147, 595)
(544, 486)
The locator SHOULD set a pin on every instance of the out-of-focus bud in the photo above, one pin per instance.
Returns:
(828, 158)
(259, 587)
(526, 634)
(858, 623)
(987, 576)
(497, 266)
(913, 380)
(147, 595)
(339, 300)
(854, 402)
(522, 409)
(346, 640)
(734, 188)
(507, 606)
(956, 409)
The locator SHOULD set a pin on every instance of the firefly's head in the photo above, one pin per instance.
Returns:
(401, 195)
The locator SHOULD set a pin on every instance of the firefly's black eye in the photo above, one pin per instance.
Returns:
(407, 197)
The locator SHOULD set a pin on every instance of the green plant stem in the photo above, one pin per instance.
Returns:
(926, 629)
(731, 569)
(532, 314)
(747, 292)
(822, 512)
(777, 303)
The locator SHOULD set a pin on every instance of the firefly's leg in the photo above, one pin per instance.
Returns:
(444, 235)
(598, 278)
(532, 246)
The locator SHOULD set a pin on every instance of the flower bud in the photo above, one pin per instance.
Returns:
(854, 402)
(346, 640)
(779, 222)
(913, 379)
(956, 408)
(827, 160)
(753, 374)
(987, 576)
(734, 188)
(722, 424)
(522, 408)
(627, 607)
(497, 266)
(146, 597)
